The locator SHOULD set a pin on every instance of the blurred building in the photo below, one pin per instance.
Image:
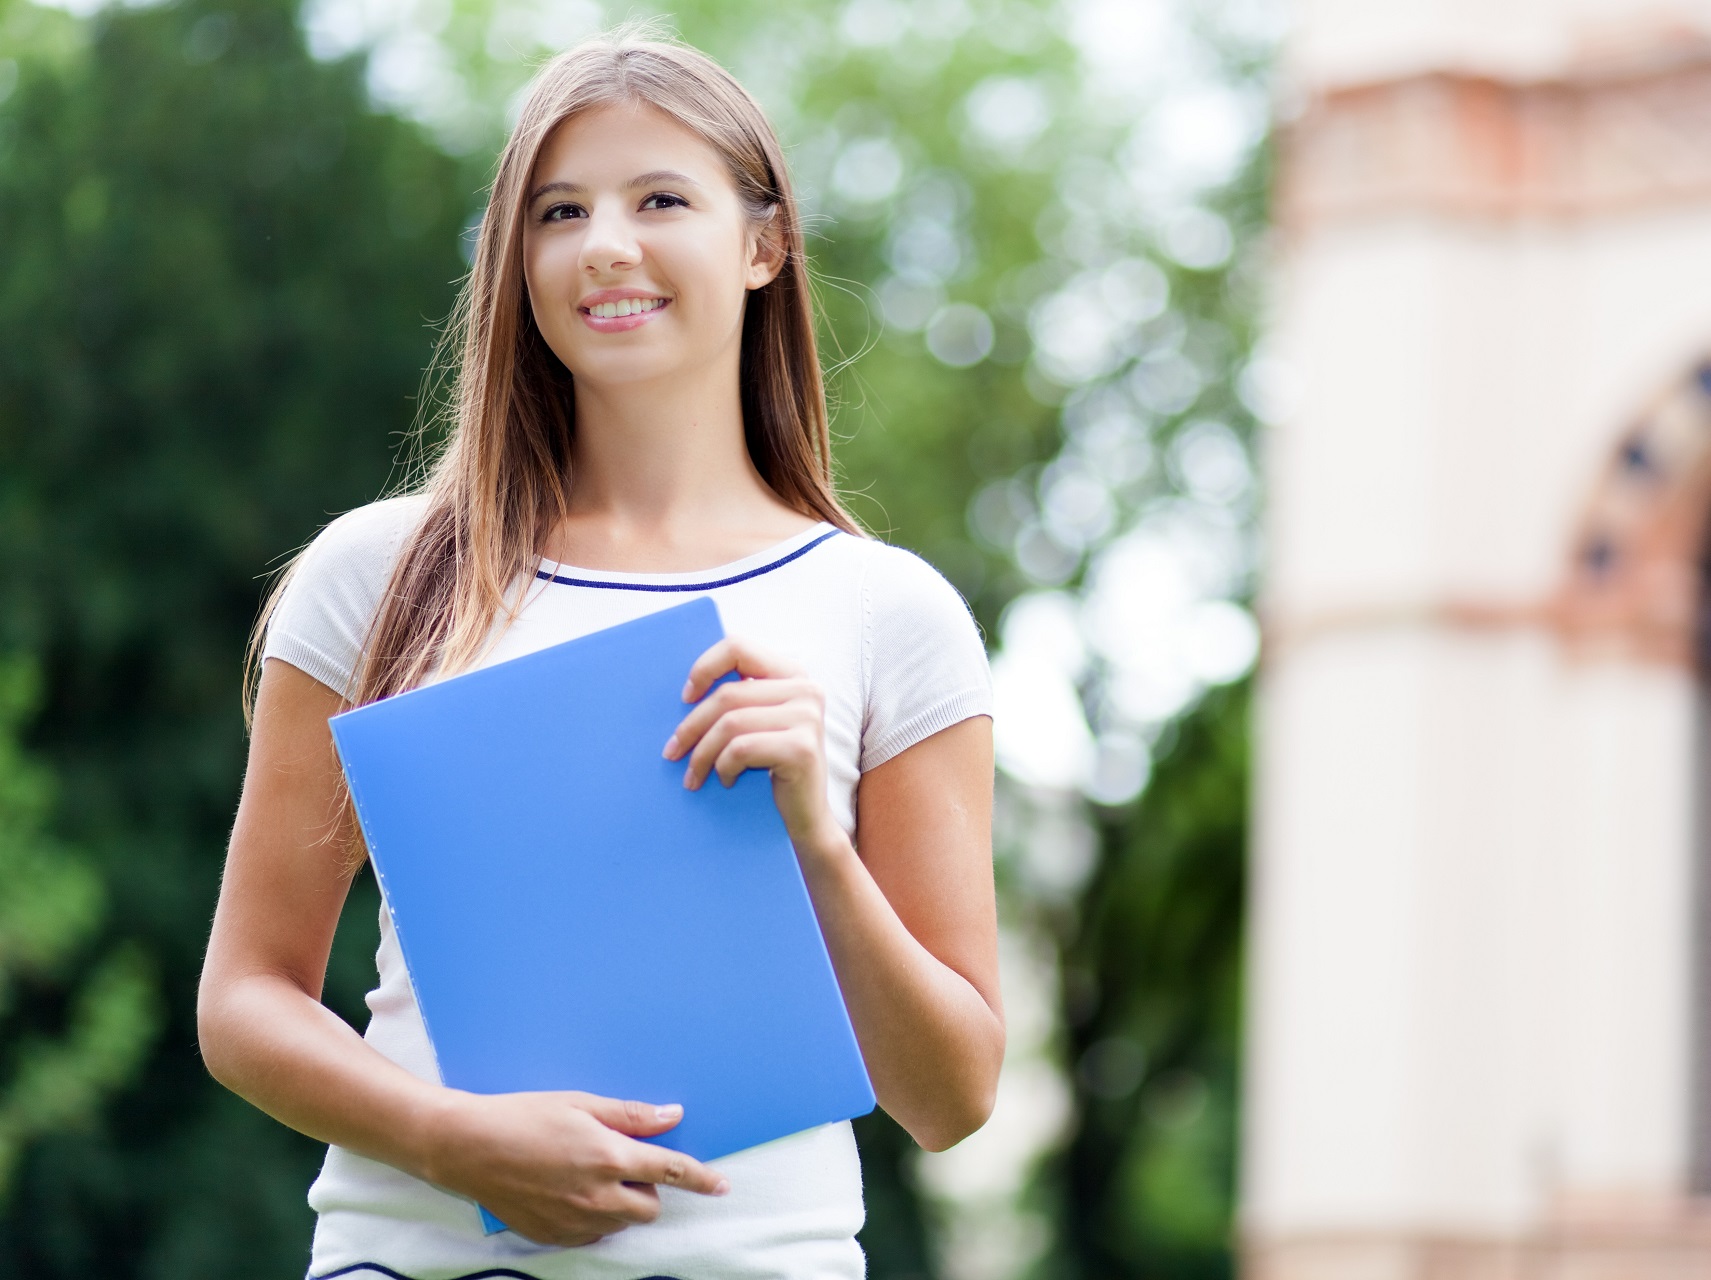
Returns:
(1480, 1010)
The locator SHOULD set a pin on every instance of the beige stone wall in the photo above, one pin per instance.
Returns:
(1674, 1250)
(1335, 43)
(1472, 961)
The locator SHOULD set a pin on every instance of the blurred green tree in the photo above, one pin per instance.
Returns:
(1151, 966)
(53, 903)
(222, 270)
(1151, 947)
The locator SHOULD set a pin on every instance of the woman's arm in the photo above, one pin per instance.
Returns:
(924, 832)
(554, 1166)
(911, 923)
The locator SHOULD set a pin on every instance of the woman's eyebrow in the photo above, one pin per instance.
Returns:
(670, 177)
(568, 188)
(653, 177)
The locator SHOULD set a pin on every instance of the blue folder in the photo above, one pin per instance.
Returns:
(573, 918)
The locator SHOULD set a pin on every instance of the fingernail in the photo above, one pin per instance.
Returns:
(723, 1188)
(688, 688)
(670, 752)
(670, 1111)
(688, 781)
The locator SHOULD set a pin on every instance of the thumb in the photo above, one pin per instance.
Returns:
(638, 1119)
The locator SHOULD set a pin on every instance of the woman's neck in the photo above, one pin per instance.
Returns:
(661, 480)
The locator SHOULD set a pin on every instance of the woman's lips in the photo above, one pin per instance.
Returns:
(618, 324)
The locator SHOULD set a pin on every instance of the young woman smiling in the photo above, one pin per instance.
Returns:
(638, 416)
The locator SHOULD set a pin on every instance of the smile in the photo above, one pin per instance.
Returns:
(618, 314)
(624, 307)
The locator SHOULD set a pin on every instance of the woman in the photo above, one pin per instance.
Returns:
(639, 417)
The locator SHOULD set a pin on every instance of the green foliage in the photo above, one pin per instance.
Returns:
(59, 1083)
(52, 905)
(52, 901)
(1152, 978)
(36, 36)
(217, 299)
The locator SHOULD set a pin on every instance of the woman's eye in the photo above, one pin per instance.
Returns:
(660, 200)
(561, 212)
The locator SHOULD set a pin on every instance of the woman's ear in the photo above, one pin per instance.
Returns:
(766, 251)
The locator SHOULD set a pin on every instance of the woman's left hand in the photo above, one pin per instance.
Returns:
(773, 718)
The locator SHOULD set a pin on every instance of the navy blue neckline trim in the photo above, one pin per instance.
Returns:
(356, 1268)
(497, 1273)
(679, 586)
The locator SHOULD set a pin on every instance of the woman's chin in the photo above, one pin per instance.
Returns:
(635, 368)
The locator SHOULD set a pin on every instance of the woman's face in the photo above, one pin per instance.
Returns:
(637, 251)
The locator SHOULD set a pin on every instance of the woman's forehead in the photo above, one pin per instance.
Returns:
(612, 144)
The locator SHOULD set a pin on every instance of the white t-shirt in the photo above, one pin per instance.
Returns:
(899, 658)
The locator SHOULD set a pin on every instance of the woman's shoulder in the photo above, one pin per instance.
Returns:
(911, 612)
(897, 581)
(368, 537)
(334, 589)
(923, 658)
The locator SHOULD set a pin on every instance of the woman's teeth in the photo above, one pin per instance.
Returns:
(624, 307)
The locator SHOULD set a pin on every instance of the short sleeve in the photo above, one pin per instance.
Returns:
(923, 661)
(334, 591)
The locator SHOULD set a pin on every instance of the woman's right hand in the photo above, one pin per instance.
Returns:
(560, 1168)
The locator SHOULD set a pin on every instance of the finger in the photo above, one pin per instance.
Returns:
(638, 1119)
(565, 1224)
(631, 1202)
(757, 751)
(545, 1231)
(731, 655)
(712, 664)
(727, 697)
(592, 1228)
(727, 729)
(668, 1168)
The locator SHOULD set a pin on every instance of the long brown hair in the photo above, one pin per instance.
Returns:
(501, 480)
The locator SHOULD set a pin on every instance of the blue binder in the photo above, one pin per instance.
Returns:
(573, 918)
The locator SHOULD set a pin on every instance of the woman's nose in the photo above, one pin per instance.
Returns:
(610, 242)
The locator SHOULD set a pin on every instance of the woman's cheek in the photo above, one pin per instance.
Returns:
(551, 273)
